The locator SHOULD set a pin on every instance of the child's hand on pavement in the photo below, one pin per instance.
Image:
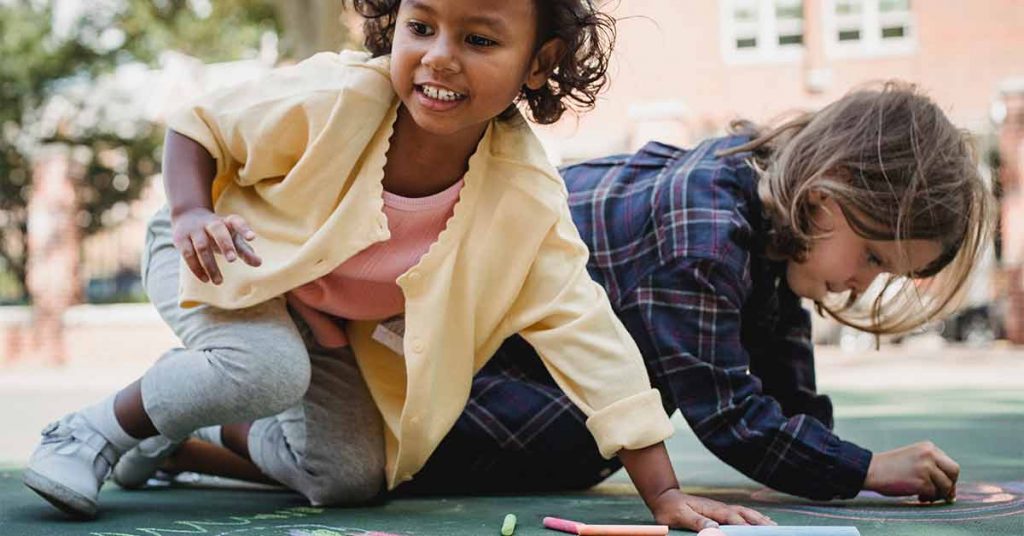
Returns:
(681, 511)
(920, 469)
(199, 233)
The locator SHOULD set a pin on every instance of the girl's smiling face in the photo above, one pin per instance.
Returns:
(457, 64)
(842, 260)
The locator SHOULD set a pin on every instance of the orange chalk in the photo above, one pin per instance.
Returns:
(582, 529)
(623, 530)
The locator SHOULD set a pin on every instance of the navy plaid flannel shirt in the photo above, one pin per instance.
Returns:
(675, 239)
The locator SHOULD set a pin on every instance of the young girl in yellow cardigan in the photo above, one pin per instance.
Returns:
(354, 188)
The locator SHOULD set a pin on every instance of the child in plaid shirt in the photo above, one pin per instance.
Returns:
(706, 255)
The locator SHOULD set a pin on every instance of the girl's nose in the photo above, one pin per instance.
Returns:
(441, 57)
(863, 279)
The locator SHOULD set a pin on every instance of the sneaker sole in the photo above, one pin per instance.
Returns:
(63, 498)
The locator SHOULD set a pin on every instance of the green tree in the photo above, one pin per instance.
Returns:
(42, 61)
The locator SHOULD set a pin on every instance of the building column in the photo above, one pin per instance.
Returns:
(816, 71)
(1011, 178)
(53, 252)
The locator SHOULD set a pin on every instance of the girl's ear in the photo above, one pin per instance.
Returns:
(544, 63)
(816, 197)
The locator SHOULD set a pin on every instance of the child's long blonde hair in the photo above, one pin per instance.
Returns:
(899, 170)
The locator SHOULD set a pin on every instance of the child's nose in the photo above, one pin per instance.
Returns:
(863, 279)
(441, 56)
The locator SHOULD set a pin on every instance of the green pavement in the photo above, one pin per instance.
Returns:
(983, 430)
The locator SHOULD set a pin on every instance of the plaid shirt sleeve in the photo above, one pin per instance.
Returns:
(689, 312)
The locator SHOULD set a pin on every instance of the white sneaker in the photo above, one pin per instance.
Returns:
(139, 464)
(69, 466)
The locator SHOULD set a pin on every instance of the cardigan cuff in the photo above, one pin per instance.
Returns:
(631, 423)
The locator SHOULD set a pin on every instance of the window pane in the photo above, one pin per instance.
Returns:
(796, 39)
(848, 7)
(789, 9)
(849, 35)
(746, 42)
(745, 11)
(894, 32)
(893, 5)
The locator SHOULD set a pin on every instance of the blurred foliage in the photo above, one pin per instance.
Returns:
(46, 61)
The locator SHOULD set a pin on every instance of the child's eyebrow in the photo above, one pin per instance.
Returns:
(495, 23)
(422, 6)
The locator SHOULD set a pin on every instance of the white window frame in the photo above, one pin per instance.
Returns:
(871, 43)
(768, 49)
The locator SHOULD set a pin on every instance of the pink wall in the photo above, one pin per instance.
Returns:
(670, 51)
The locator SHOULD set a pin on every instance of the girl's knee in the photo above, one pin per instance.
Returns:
(354, 485)
(276, 378)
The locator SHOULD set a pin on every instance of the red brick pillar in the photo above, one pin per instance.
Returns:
(53, 252)
(1011, 177)
(816, 70)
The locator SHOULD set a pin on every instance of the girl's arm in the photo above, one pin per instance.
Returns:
(690, 310)
(188, 171)
(242, 134)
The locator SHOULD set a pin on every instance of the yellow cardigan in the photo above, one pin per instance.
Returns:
(300, 155)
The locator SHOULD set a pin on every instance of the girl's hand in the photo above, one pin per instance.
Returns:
(920, 469)
(199, 233)
(681, 511)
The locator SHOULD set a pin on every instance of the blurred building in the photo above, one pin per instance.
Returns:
(684, 68)
(1011, 183)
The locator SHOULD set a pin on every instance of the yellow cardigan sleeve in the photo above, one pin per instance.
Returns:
(259, 129)
(567, 318)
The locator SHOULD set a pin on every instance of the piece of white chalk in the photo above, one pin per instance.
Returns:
(744, 530)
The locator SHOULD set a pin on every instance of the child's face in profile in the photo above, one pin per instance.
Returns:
(457, 64)
(843, 260)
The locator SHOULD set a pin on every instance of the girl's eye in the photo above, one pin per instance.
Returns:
(418, 28)
(873, 260)
(479, 41)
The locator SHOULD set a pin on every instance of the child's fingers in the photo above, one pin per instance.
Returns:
(240, 226)
(691, 520)
(730, 516)
(204, 250)
(942, 483)
(192, 260)
(754, 517)
(246, 251)
(221, 236)
(948, 465)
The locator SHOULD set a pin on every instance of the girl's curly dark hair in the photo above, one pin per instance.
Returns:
(579, 76)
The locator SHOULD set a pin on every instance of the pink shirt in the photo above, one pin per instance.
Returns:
(364, 287)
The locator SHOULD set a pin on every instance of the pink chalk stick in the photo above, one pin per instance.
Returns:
(563, 525)
(582, 529)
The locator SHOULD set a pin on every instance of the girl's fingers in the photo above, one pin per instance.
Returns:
(246, 251)
(203, 248)
(732, 517)
(754, 517)
(948, 466)
(941, 483)
(240, 226)
(192, 261)
(691, 520)
(222, 242)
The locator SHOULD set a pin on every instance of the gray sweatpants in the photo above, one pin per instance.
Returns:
(316, 428)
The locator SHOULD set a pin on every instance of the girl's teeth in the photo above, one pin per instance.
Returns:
(440, 94)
